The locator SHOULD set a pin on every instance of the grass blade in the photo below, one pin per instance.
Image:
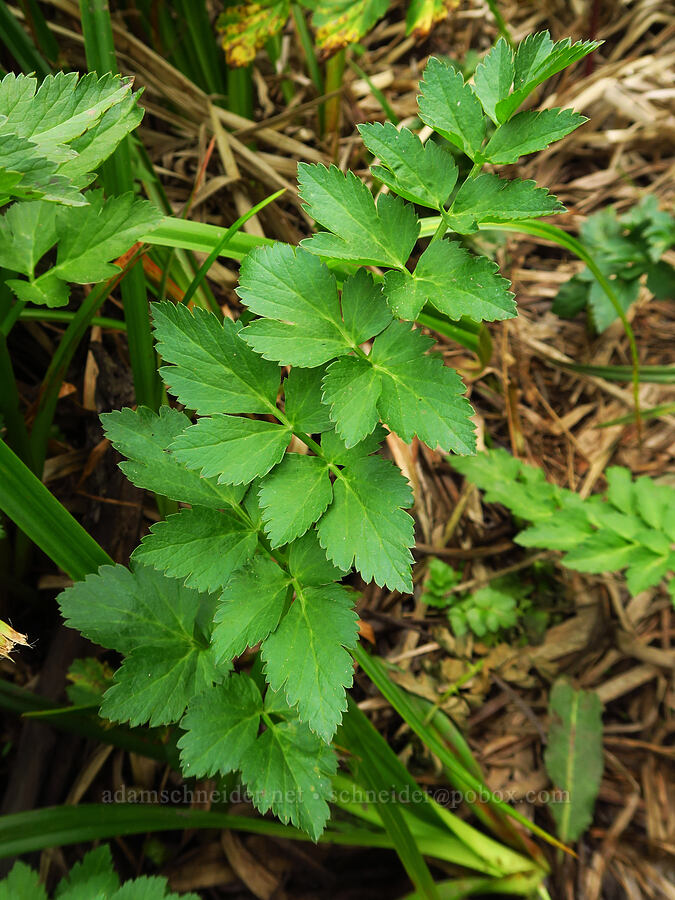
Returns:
(201, 237)
(648, 374)
(118, 179)
(47, 523)
(224, 242)
(19, 44)
(399, 700)
(86, 722)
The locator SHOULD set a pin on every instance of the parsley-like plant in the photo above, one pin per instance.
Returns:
(93, 878)
(631, 526)
(284, 485)
(53, 136)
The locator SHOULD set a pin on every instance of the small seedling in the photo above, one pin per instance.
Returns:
(627, 249)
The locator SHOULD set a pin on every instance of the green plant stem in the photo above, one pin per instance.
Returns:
(118, 179)
(502, 27)
(59, 315)
(376, 92)
(335, 68)
(313, 68)
(43, 37)
(224, 241)
(86, 722)
(203, 43)
(19, 44)
(10, 407)
(399, 700)
(240, 92)
(58, 367)
(201, 237)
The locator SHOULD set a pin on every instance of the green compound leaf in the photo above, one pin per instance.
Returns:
(488, 198)
(335, 451)
(455, 281)
(151, 619)
(154, 684)
(221, 725)
(27, 174)
(620, 489)
(557, 532)
(598, 536)
(653, 503)
(573, 757)
(451, 108)
(146, 888)
(144, 437)
(63, 107)
(493, 78)
(288, 754)
(364, 307)
(22, 881)
(90, 879)
(421, 396)
(306, 656)
(538, 58)
(528, 132)
(339, 23)
(298, 296)
(234, 448)
(90, 236)
(422, 173)
(27, 232)
(246, 27)
(98, 143)
(366, 525)
(123, 609)
(351, 389)
(486, 610)
(303, 408)
(383, 235)
(250, 607)
(213, 370)
(308, 564)
(286, 768)
(294, 496)
(89, 678)
(201, 546)
(601, 552)
(48, 291)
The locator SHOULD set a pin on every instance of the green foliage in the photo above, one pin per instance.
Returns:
(506, 77)
(490, 610)
(631, 527)
(156, 623)
(91, 879)
(53, 137)
(89, 679)
(625, 248)
(282, 471)
(286, 768)
(573, 757)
